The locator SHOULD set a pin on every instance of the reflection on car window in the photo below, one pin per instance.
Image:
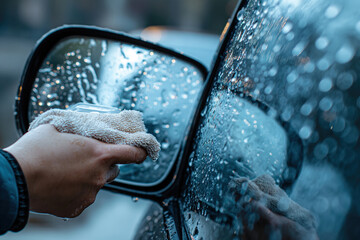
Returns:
(302, 60)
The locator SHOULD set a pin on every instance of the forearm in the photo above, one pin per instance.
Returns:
(14, 203)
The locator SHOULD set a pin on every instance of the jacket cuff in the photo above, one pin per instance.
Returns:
(23, 209)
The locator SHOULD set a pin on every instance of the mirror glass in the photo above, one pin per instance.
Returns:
(125, 76)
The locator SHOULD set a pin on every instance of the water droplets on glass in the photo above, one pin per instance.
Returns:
(345, 53)
(305, 132)
(325, 84)
(332, 11)
(299, 48)
(321, 43)
(287, 28)
(345, 80)
(301, 61)
(325, 104)
(306, 109)
(124, 76)
(323, 64)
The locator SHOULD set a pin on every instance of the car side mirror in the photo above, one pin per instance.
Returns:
(80, 64)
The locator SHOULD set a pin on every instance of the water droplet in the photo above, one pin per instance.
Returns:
(276, 48)
(306, 109)
(204, 111)
(65, 219)
(165, 145)
(290, 36)
(338, 125)
(299, 48)
(195, 232)
(240, 15)
(129, 66)
(309, 67)
(332, 11)
(135, 199)
(287, 28)
(323, 64)
(345, 54)
(345, 80)
(325, 104)
(321, 150)
(305, 132)
(273, 71)
(255, 24)
(268, 89)
(321, 43)
(325, 84)
(292, 77)
(287, 113)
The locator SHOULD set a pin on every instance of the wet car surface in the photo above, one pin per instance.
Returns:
(281, 100)
(301, 60)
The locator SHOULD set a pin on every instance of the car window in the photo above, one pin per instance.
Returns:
(301, 59)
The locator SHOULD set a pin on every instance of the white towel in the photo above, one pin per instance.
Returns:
(126, 127)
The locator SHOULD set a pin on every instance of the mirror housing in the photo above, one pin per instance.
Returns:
(28, 104)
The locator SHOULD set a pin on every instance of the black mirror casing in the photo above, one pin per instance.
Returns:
(45, 45)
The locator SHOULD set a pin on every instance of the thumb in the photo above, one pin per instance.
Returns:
(123, 154)
(112, 173)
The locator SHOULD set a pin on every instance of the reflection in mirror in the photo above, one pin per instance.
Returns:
(124, 76)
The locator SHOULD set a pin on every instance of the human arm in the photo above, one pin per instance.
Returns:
(64, 172)
(14, 208)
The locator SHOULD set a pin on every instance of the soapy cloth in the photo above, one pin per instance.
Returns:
(265, 190)
(126, 127)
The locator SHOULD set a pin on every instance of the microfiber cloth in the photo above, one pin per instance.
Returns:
(126, 127)
(265, 190)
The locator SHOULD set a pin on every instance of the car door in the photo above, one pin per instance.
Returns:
(282, 99)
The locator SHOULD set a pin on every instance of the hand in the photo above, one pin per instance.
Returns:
(64, 172)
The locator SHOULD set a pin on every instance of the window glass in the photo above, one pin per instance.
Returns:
(301, 59)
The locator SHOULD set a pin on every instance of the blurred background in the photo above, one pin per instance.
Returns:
(22, 22)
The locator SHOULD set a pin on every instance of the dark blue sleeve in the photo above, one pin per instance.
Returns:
(14, 203)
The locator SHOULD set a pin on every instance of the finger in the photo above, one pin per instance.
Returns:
(263, 211)
(122, 154)
(112, 173)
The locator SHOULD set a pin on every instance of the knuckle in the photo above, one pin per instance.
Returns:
(100, 183)
(99, 151)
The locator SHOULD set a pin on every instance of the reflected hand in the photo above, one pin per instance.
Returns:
(64, 172)
(267, 212)
(270, 225)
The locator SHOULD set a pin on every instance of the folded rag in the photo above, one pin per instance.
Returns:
(265, 190)
(126, 127)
